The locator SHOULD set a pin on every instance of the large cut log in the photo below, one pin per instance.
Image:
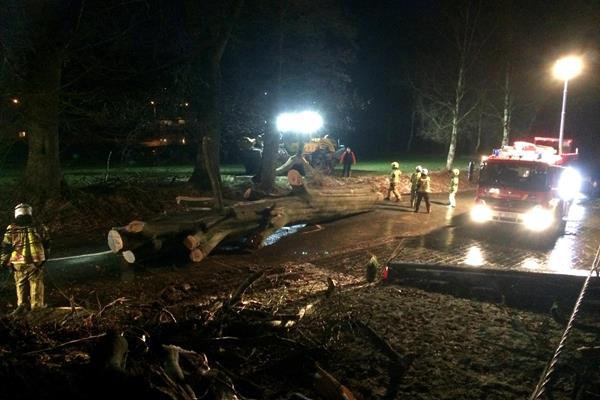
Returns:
(201, 232)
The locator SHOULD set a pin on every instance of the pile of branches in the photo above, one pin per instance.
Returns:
(225, 349)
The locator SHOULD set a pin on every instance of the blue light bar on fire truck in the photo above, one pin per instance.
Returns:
(527, 152)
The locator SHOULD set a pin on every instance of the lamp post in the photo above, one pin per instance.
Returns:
(565, 69)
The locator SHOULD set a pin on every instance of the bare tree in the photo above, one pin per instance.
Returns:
(39, 35)
(209, 25)
(448, 97)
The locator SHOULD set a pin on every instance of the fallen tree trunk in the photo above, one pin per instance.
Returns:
(201, 232)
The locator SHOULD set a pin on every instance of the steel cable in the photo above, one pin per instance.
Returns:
(550, 369)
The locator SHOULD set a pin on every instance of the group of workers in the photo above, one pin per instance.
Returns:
(420, 186)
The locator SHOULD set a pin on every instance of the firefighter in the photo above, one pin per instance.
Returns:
(423, 190)
(414, 180)
(453, 187)
(394, 182)
(24, 250)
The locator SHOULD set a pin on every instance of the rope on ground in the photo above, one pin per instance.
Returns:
(542, 385)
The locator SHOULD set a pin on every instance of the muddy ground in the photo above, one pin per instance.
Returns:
(268, 328)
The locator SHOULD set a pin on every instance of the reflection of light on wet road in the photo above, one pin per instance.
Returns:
(474, 256)
(281, 233)
(449, 215)
(575, 218)
(560, 259)
(576, 212)
(79, 257)
(510, 248)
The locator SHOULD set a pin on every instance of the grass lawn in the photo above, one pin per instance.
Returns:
(408, 164)
(79, 177)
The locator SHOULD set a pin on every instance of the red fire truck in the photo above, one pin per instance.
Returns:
(526, 184)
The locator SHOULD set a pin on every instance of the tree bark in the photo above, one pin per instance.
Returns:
(506, 119)
(455, 116)
(43, 173)
(206, 106)
(266, 174)
(206, 83)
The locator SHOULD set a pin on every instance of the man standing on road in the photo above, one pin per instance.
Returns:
(394, 182)
(453, 187)
(414, 181)
(24, 250)
(347, 159)
(423, 190)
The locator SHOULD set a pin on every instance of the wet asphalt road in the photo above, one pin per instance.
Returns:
(458, 242)
(447, 237)
(392, 231)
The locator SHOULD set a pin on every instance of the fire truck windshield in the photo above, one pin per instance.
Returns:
(532, 177)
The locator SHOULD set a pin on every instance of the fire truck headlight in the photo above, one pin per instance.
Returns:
(538, 219)
(569, 184)
(481, 213)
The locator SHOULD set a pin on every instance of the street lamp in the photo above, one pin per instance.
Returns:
(565, 68)
(153, 104)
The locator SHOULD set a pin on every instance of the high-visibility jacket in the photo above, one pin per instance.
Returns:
(395, 176)
(424, 185)
(25, 244)
(414, 180)
(453, 185)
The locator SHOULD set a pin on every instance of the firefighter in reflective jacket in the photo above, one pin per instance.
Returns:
(423, 190)
(414, 181)
(24, 249)
(453, 187)
(394, 182)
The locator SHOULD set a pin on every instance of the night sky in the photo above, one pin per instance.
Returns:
(359, 63)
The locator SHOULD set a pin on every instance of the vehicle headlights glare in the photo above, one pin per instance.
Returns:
(538, 219)
(569, 184)
(481, 213)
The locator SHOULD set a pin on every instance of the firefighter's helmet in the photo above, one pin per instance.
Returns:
(419, 168)
(395, 165)
(455, 171)
(23, 209)
(425, 171)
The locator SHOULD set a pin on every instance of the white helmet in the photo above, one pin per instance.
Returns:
(425, 171)
(395, 165)
(455, 171)
(23, 209)
(419, 168)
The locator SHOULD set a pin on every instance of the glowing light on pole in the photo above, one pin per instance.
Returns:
(565, 69)
(306, 122)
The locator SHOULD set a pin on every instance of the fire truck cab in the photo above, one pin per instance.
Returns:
(525, 184)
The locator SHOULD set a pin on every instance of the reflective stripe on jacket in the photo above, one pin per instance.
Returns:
(25, 244)
(414, 180)
(395, 176)
(453, 185)
(424, 184)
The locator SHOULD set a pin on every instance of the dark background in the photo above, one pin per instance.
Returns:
(361, 64)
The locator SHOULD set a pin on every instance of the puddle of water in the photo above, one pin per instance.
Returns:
(281, 233)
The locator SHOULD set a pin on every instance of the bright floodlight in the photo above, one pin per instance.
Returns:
(569, 184)
(567, 68)
(305, 122)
